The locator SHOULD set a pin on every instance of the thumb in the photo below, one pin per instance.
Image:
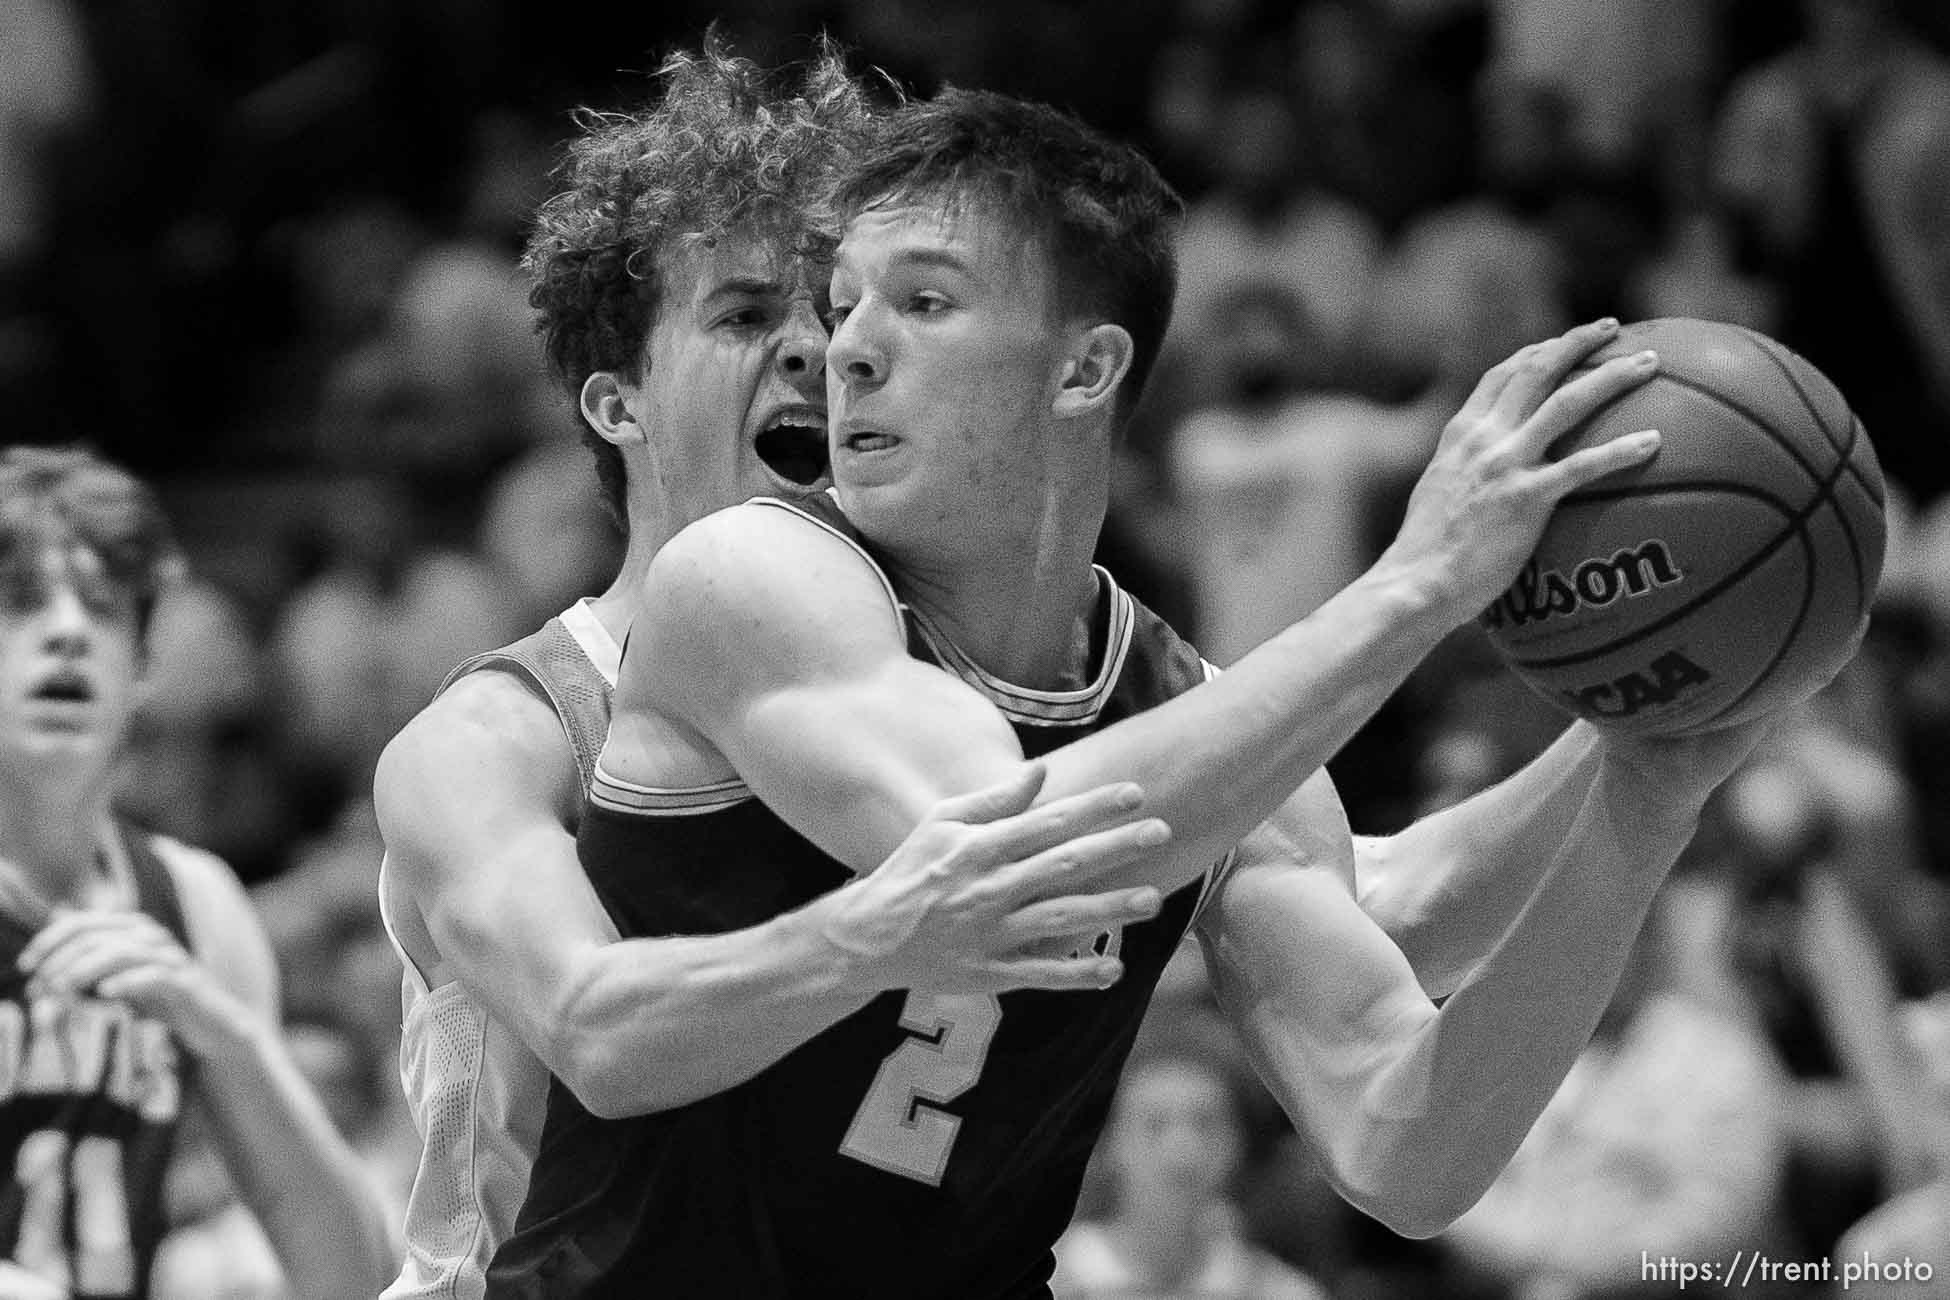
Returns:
(1007, 797)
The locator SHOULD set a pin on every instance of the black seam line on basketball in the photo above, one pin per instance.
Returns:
(1794, 628)
(1783, 443)
(1796, 522)
(1759, 343)
(1846, 450)
(1848, 529)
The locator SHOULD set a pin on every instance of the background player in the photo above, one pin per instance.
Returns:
(138, 977)
(681, 312)
(1001, 289)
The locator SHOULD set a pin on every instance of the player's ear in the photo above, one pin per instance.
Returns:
(605, 405)
(1098, 360)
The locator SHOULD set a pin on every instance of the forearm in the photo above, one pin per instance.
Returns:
(1471, 1079)
(1448, 888)
(709, 1011)
(1216, 762)
(318, 1205)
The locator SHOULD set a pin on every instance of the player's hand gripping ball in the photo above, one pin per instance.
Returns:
(1726, 577)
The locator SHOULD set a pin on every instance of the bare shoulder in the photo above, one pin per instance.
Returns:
(490, 738)
(225, 933)
(752, 586)
(757, 550)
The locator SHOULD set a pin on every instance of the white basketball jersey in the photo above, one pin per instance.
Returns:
(477, 1094)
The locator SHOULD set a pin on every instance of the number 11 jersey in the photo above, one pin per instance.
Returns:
(926, 1145)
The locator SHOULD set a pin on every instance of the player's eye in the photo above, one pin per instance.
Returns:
(749, 317)
(927, 303)
(835, 315)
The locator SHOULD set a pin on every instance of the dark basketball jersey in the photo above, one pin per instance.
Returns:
(90, 1094)
(925, 1146)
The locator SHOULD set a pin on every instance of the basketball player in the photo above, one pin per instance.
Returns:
(682, 315)
(139, 980)
(795, 696)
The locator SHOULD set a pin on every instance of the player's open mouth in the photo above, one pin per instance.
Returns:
(793, 446)
(65, 687)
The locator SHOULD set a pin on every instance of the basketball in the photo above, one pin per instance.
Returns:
(1724, 578)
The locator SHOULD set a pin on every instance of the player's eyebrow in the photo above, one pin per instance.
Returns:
(743, 287)
(934, 257)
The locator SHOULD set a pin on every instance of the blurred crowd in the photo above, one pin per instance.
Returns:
(266, 255)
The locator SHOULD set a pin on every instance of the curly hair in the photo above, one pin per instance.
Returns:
(1108, 219)
(56, 497)
(728, 146)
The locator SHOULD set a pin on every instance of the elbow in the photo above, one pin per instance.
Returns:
(596, 1084)
(1412, 1185)
(1416, 1208)
(584, 1054)
(607, 1048)
(593, 1071)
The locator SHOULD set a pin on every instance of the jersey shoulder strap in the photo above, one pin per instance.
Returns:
(552, 661)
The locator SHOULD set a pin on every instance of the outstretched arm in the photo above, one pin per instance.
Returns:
(776, 642)
(320, 1208)
(471, 801)
(1448, 888)
(1416, 1109)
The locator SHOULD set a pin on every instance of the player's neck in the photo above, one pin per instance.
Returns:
(1014, 587)
(50, 833)
(1030, 620)
(617, 605)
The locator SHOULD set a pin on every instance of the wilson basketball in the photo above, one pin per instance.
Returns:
(1725, 577)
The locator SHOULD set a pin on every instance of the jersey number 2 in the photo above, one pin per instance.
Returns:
(899, 1126)
(104, 1256)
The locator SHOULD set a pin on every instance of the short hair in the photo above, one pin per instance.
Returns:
(728, 146)
(1108, 219)
(56, 497)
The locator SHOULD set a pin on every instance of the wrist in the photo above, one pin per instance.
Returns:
(1415, 595)
(815, 939)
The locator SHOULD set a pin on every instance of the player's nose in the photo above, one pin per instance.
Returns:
(852, 356)
(803, 357)
(65, 622)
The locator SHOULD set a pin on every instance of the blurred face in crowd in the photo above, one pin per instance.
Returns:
(1175, 1135)
(70, 655)
(732, 398)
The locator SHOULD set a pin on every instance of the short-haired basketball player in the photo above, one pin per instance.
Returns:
(680, 293)
(137, 980)
(796, 695)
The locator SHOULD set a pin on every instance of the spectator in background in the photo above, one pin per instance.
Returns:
(1265, 223)
(1831, 174)
(45, 93)
(1278, 480)
(1174, 1149)
(1288, 491)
